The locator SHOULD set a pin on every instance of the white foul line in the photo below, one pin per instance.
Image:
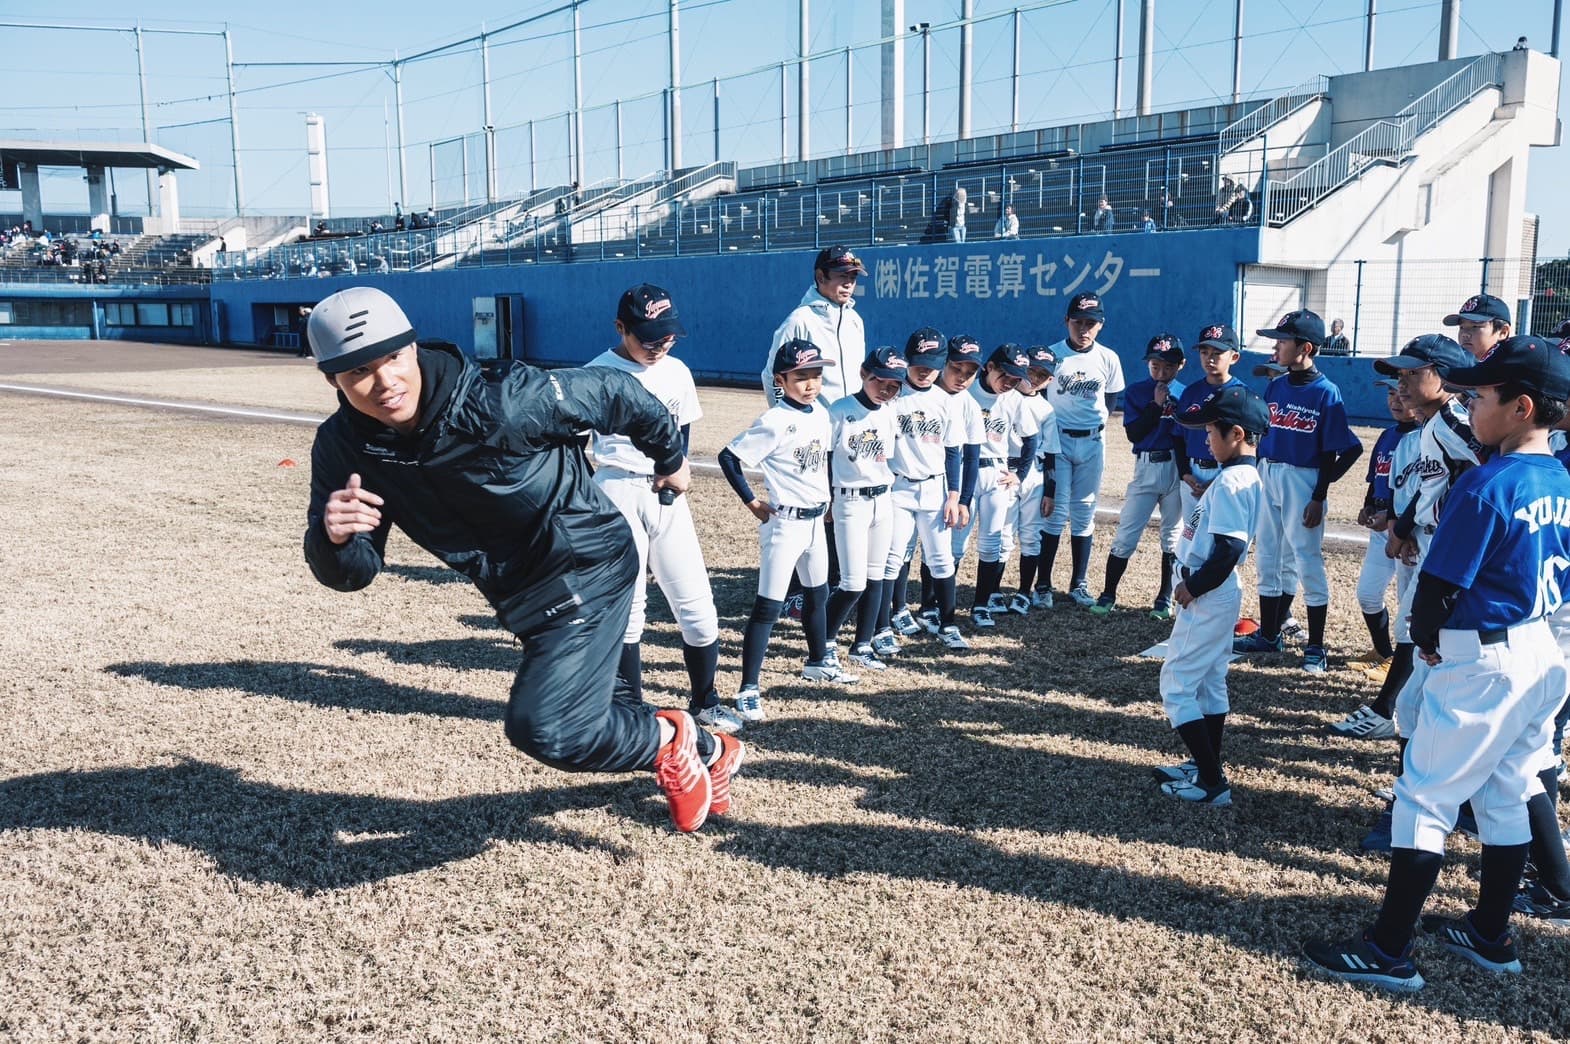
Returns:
(230, 411)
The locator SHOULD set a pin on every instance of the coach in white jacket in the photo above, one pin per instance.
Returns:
(827, 317)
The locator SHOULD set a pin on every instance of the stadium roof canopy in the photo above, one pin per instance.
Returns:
(94, 154)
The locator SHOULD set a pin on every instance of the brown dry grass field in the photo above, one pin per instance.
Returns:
(237, 806)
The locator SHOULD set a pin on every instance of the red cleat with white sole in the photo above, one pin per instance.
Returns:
(682, 774)
(732, 753)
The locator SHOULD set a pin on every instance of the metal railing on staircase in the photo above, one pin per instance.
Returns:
(1272, 113)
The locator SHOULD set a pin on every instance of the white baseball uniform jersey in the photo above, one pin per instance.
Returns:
(1026, 518)
(1078, 395)
(863, 506)
(1005, 419)
(791, 446)
(927, 429)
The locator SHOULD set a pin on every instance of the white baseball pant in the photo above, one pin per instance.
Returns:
(994, 504)
(787, 544)
(1410, 698)
(918, 515)
(1288, 551)
(1194, 674)
(667, 544)
(863, 531)
(1078, 471)
(1486, 715)
(1155, 486)
(1025, 519)
(1373, 580)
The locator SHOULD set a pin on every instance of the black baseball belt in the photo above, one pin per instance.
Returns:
(1083, 433)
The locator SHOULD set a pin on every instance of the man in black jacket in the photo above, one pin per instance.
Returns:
(485, 470)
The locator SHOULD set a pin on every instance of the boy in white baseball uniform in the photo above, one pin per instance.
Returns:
(1308, 447)
(1213, 545)
(1037, 491)
(662, 529)
(1148, 408)
(964, 363)
(928, 475)
(790, 444)
(865, 430)
(1083, 392)
(1496, 567)
(1004, 418)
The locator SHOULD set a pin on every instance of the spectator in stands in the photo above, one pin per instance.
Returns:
(101, 273)
(1008, 224)
(1104, 220)
(1224, 197)
(1169, 215)
(1146, 222)
(958, 205)
(1338, 343)
(1242, 209)
(430, 213)
(398, 223)
(1521, 44)
(321, 229)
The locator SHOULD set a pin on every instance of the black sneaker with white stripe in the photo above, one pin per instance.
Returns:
(1461, 938)
(1358, 959)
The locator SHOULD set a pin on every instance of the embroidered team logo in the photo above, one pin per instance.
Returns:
(917, 425)
(1294, 417)
(805, 355)
(1081, 386)
(656, 308)
(1212, 333)
(1472, 304)
(996, 426)
(894, 362)
(868, 445)
(1019, 359)
(1382, 465)
(1163, 345)
(810, 457)
(1044, 356)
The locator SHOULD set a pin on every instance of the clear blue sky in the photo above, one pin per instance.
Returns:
(72, 83)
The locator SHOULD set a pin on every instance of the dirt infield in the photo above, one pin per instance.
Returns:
(237, 806)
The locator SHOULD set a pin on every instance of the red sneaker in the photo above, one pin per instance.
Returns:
(682, 774)
(732, 752)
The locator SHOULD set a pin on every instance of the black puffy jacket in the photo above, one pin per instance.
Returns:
(494, 483)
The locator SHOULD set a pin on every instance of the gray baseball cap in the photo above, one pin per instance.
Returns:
(356, 326)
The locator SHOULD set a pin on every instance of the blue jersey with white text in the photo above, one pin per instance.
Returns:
(1504, 539)
(1195, 442)
(1141, 394)
(1306, 421)
(1379, 462)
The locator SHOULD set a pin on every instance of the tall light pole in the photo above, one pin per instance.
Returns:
(966, 39)
(925, 29)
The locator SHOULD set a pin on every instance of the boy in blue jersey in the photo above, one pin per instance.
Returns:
(1218, 353)
(1213, 545)
(1148, 408)
(1309, 446)
(1496, 567)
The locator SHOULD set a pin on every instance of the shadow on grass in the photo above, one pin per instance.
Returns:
(317, 684)
(425, 574)
(496, 654)
(306, 841)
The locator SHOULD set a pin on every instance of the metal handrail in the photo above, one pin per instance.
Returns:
(1382, 141)
(1272, 112)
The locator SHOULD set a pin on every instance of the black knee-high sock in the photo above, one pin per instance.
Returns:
(630, 668)
(755, 640)
(1079, 557)
(928, 599)
(1049, 558)
(1216, 724)
(899, 592)
(1168, 567)
(1269, 623)
(1196, 737)
(1401, 742)
(944, 588)
(867, 609)
(1379, 632)
(1116, 567)
(1027, 572)
(703, 663)
(815, 620)
(1400, 670)
(1316, 624)
(1412, 876)
(989, 578)
(704, 739)
(1548, 847)
(1501, 875)
(841, 602)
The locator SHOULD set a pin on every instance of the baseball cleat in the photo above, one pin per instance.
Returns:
(828, 669)
(1350, 722)
(682, 774)
(1358, 959)
(1104, 605)
(1256, 643)
(1373, 727)
(1293, 631)
(749, 704)
(1162, 611)
(863, 656)
(1196, 793)
(1315, 661)
(997, 603)
(719, 719)
(905, 623)
(1378, 837)
(981, 617)
(732, 753)
(951, 637)
(1376, 672)
(1460, 937)
(884, 644)
(1172, 773)
(1041, 598)
(1535, 900)
(1019, 603)
(929, 620)
(1082, 596)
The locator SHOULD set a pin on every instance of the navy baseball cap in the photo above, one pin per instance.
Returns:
(1434, 350)
(839, 259)
(1086, 306)
(649, 314)
(886, 362)
(1167, 347)
(799, 354)
(1300, 325)
(1532, 362)
(1234, 405)
(1011, 359)
(926, 348)
(1042, 358)
(964, 348)
(1388, 383)
(1219, 335)
(1479, 308)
